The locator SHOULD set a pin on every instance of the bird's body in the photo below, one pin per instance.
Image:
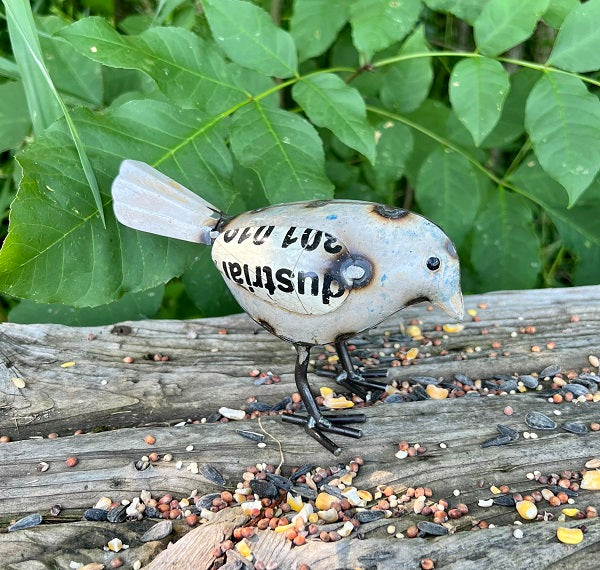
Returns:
(309, 272)
(321, 271)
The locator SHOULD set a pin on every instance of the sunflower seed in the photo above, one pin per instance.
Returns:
(498, 440)
(263, 488)
(282, 405)
(504, 500)
(425, 380)
(250, 435)
(95, 515)
(464, 379)
(394, 399)
(279, 481)
(26, 522)
(118, 514)
(529, 381)
(205, 502)
(550, 371)
(305, 491)
(158, 531)
(576, 389)
(575, 427)
(369, 516)
(538, 420)
(302, 470)
(212, 474)
(432, 528)
(258, 407)
(509, 385)
(556, 489)
(508, 431)
(419, 392)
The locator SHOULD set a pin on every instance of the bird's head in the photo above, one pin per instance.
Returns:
(438, 268)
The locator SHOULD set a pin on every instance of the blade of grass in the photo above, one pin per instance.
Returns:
(9, 69)
(44, 101)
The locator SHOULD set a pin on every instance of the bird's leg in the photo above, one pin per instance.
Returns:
(316, 423)
(354, 381)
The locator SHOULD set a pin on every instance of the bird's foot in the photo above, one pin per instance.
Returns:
(361, 384)
(330, 424)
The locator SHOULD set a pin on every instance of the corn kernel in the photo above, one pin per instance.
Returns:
(569, 535)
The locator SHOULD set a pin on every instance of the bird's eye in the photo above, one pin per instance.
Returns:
(433, 263)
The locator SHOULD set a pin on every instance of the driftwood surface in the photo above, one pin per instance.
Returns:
(118, 404)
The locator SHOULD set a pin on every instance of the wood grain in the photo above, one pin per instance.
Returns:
(208, 369)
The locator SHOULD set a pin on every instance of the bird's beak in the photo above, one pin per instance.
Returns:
(452, 305)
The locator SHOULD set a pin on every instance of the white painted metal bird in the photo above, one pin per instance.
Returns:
(309, 272)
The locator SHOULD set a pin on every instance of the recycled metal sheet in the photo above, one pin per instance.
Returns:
(300, 269)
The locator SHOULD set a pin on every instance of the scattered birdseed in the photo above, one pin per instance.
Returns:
(158, 531)
(67, 364)
(569, 535)
(150, 439)
(232, 414)
(25, 522)
(189, 448)
(72, 461)
(518, 533)
(538, 420)
(575, 427)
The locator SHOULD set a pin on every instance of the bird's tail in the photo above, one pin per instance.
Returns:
(147, 200)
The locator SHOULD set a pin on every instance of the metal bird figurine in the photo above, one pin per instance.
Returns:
(308, 272)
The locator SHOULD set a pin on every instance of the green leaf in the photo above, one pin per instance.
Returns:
(205, 286)
(558, 10)
(42, 96)
(285, 151)
(73, 74)
(187, 69)
(477, 89)
(506, 250)
(9, 69)
(563, 121)
(248, 36)
(57, 251)
(394, 145)
(511, 126)
(467, 10)
(44, 108)
(447, 192)
(577, 46)
(330, 102)
(377, 24)
(407, 83)
(315, 25)
(578, 226)
(503, 24)
(431, 115)
(131, 307)
(15, 123)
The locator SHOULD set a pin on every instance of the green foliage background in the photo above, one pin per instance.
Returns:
(481, 114)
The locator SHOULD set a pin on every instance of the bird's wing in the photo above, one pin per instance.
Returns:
(302, 270)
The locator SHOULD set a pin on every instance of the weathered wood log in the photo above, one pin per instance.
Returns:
(208, 369)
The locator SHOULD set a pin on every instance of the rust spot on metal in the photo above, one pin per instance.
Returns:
(390, 212)
(451, 249)
(416, 300)
(360, 263)
(317, 203)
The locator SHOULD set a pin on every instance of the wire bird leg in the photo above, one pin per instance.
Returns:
(316, 423)
(357, 382)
